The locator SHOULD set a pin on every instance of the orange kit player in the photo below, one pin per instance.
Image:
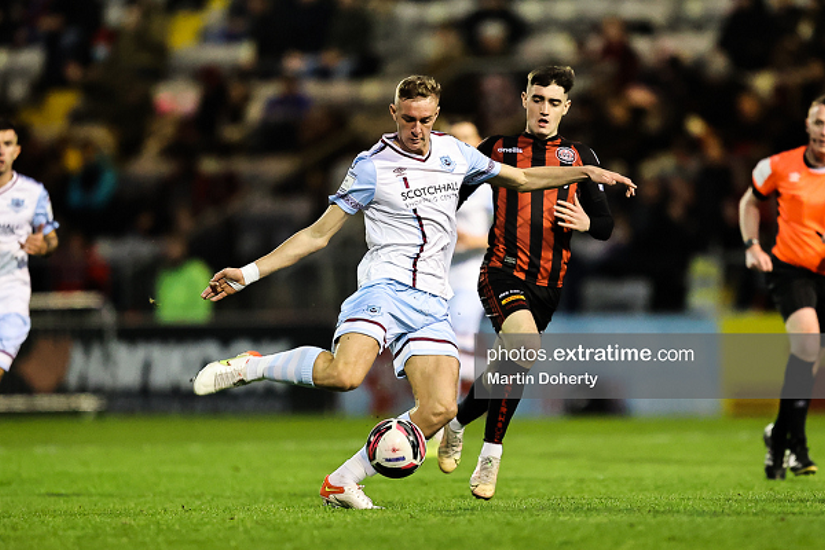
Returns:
(795, 271)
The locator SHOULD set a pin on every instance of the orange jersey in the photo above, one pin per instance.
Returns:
(800, 191)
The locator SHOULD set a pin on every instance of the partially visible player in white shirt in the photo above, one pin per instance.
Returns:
(473, 221)
(407, 186)
(27, 227)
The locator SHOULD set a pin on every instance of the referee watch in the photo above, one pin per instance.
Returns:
(750, 242)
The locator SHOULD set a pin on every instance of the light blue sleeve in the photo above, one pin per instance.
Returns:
(481, 167)
(358, 188)
(43, 214)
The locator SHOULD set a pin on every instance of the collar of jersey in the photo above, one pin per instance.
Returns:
(14, 179)
(555, 137)
(389, 140)
(811, 167)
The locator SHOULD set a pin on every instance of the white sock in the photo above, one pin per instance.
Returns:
(491, 449)
(456, 426)
(293, 366)
(353, 471)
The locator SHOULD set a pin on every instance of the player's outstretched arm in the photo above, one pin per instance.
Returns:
(548, 177)
(230, 280)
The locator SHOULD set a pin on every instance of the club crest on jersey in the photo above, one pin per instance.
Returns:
(447, 163)
(566, 154)
(17, 204)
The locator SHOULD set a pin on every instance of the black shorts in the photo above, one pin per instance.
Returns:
(793, 288)
(502, 294)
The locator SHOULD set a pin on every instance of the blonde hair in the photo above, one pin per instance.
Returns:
(417, 86)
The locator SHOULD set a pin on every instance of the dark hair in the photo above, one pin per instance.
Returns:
(417, 86)
(552, 74)
(6, 124)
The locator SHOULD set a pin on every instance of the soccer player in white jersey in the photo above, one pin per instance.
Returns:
(27, 227)
(407, 186)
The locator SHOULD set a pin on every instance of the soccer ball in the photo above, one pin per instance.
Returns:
(396, 448)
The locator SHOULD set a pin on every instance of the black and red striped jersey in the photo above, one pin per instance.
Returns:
(524, 238)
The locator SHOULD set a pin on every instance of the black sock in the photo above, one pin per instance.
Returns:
(799, 414)
(499, 414)
(503, 406)
(793, 406)
(474, 404)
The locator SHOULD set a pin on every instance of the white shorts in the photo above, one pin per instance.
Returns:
(407, 320)
(14, 328)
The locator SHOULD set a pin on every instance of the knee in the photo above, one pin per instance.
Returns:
(805, 346)
(806, 353)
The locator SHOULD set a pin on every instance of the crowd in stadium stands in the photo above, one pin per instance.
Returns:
(220, 126)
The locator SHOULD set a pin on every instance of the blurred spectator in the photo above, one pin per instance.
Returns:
(306, 36)
(493, 29)
(118, 91)
(178, 285)
(211, 108)
(13, 31)
(348, 50)
(140, 48)
(90, 187)
(188, 184)
(67, 28)
(664, 245)
(77, 265)
(448, 50)
(284, 113)
(267, 23)
(500, 110)
(748, 35)
(617, 63)
(234, 131)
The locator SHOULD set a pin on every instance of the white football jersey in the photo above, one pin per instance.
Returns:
(474, 218)
(409, 203)
(24, 206)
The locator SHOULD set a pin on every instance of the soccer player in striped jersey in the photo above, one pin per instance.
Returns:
(407, 187)
(27, 227)
(528, 250)
(795, 270)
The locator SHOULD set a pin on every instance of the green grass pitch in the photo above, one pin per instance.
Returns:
(218, 482)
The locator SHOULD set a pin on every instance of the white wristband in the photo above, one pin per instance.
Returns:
(250, 273)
